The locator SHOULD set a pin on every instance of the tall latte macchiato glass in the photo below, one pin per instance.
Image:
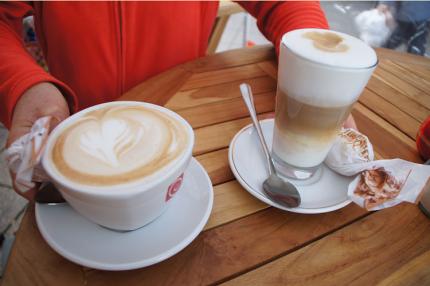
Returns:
(119, 164)
(321, 74)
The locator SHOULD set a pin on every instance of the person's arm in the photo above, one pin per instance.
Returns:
(27, 92)
(19, 72)
(274, 19)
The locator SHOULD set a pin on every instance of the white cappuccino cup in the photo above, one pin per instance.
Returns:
(119, 164)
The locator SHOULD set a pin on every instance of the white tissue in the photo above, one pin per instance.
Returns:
(350, 150)
(379, 184)
(24, 155)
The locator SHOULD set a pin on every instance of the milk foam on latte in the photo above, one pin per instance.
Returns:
(321, 74)
(118, 144)
(330, 48)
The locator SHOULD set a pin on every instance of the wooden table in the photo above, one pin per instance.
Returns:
(245, 241)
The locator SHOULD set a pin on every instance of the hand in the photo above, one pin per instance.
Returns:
(389, 19)
(40, 100)
(382, 8)
(350, 123)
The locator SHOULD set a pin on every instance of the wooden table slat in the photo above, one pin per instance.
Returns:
(35, 263)
(270, 67)
(398, 99)
(389, 142)
(218, 136)
(199, 80)
(411, 273)
(422, 71)
(221, 253)
(363, 253)
(410, 77)
(216, 164)
(219, 92)
(394, 115)
(399, 57)
(405, 88)
(232, 58)
(217, 112)
(232, 202)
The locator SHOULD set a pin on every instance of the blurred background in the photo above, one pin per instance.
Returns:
(403, 22)
(398, 25)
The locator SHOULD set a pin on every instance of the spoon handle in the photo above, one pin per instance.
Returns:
(249, 102)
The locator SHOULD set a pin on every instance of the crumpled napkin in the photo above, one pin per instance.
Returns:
(379, 184)
(24, 155)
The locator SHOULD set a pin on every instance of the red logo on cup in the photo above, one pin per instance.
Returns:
(174, 187)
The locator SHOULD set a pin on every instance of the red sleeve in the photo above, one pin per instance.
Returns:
(274, 19)
(18, 70)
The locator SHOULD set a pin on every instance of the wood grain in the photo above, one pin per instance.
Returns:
(219, 92)
(404, 87)
(391, 113)
(216, 34)
(363, 253)
(216, 164)
(388, 141)
(33, 262)
(422, 71)
(227, 8)
(223, 252)
(232, 58)
(403, 73)
(227, 110)
(218, 136)
(406, 58)
(269, 67)
(232, 202)
(398, 99)
(410, 273)
(199, 80)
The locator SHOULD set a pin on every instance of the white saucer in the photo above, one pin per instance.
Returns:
(91, 245)
(324, 193)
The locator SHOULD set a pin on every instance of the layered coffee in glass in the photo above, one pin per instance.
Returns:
(321, 74)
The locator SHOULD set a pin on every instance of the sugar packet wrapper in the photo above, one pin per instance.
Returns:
(24, 155)
(380, 184)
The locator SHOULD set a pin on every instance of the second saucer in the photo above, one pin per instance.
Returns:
(325, 192)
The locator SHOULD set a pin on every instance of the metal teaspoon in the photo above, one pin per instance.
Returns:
(275, 188)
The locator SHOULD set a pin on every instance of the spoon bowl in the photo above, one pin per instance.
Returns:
(276, 189)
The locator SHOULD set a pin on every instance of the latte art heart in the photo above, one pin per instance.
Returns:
(116, 145)
(113, 138)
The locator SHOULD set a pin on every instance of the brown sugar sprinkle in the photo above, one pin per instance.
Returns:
(358, 142)
(377, 186)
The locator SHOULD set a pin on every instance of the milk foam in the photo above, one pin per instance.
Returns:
(357, 55)
(324, 78)
(109, 141)
(118, 144)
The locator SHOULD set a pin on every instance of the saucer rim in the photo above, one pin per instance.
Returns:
(262, 198)
(190, 237)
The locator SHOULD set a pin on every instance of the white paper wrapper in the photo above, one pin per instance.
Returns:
(386, 183)
(350, 150)
(23, 156)
(380, 184)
